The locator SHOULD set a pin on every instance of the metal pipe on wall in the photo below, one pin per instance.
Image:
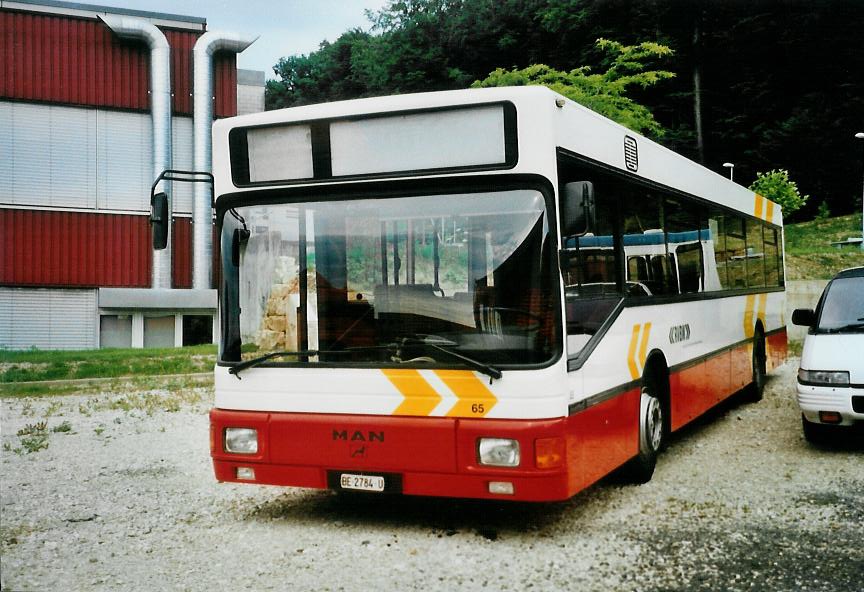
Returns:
(160, 108)
(202, 232)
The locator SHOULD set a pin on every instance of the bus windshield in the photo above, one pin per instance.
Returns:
(353, 279)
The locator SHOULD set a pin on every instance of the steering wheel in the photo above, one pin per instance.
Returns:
(535, 321)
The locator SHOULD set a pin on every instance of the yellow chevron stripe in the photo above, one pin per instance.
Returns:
(748, 315)
(769, 210)
(420, 397)
(475, 400)
(643, 347)
(757, 208)
(763, 301)
(631, 353)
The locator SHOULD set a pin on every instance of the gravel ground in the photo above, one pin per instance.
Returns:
(126, 500)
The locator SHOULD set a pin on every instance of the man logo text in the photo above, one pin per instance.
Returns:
(358, 436)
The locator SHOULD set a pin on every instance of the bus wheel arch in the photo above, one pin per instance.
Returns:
(653, 419)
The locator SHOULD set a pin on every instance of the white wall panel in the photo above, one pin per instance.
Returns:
(72, 166)
(48, 155)
(58, 156)
(7, 154)
(124, 168)
(48, 319)
(31, 164)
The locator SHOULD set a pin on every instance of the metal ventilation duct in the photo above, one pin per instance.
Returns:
(202, 231)
(160, 108)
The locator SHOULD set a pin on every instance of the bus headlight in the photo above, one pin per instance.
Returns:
(241, 440)
(498, 452)
(823, 377)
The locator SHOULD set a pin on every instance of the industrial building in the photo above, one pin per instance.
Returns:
(94, 103)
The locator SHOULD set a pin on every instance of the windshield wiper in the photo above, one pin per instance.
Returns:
(440, 345)
(239, 367)
(437, 345)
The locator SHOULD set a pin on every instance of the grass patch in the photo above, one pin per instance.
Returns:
(38, 365)
(794, 347)
(116, 385)
(809, 254)
(32, 437)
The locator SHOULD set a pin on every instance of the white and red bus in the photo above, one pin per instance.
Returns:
(490, 293)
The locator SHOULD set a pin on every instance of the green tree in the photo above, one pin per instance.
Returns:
(605, 92)
(334, 72)
(776, 186)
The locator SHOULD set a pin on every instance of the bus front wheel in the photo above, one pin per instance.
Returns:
(651, 435)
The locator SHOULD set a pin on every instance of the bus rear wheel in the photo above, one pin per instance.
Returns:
(652, 433)
(756, 389)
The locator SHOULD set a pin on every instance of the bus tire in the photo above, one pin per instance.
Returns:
(756, 389)
(652, 433)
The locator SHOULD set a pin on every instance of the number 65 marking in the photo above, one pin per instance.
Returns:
(478, 408)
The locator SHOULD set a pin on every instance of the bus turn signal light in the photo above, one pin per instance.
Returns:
(549, 452)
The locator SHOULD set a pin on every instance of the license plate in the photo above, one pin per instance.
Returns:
(361, 482)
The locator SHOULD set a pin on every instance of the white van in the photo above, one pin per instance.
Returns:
(831, 377)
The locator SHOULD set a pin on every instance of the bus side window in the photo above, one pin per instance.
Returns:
(755, 255)
(772, 260)
(715, 252)
(735, 252)
(684, 245)
(644, 238)
(590, 263)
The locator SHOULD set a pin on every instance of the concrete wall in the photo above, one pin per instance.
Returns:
(801, 294)
(250, 91)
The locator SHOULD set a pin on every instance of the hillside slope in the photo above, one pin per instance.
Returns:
(809, 253)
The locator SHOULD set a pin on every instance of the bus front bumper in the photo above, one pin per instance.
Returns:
(412, 456)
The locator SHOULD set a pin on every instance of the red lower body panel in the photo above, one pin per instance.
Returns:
(698, 388)
(434, 456)
(776, 348)
(602, 438)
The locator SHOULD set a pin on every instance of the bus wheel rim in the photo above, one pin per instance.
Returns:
(652, 418)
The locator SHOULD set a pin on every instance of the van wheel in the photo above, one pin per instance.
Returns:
(652, 433)
(756, 389)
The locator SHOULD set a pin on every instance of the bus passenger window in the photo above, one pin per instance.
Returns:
(684, 244)
(755, 255)
(689, 261)
(715, 252)
(645, 245)
(735, 253)
(773, 269)
(589, 263)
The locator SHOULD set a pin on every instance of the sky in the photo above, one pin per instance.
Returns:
(285, 27)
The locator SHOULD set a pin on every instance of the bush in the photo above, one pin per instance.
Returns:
(776, 186)
(823, 213)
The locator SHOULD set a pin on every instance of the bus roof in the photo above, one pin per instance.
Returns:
(546, 121)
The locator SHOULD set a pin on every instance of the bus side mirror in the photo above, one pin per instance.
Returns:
(577, 211)
(804, 317)
(159, 220)
(238, 240)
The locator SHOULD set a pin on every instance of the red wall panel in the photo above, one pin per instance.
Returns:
(181, 253)
(62, 59)
(225, 84)
(47, 248)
